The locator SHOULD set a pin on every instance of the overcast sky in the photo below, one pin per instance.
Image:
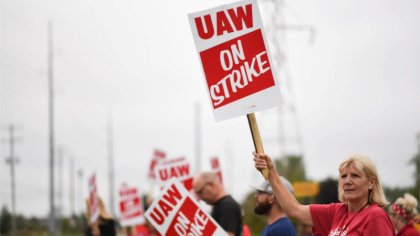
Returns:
(355, 84)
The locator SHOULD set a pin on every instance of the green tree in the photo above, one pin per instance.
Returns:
(328, 191)
(291, 167)
(255, 222)
(415, 161)
(5, 220)
(393, 193)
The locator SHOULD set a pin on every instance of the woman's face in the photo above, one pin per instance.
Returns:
(355, 184)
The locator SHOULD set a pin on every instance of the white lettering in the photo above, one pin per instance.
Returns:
(226, 54)
(181, 225)
(235, 53)
(238, 78)
(262, 63)
(184, 227)
(238, 52)
(213, 90)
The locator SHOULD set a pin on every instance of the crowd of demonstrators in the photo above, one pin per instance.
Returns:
(360, 211)
(267, 205)
(225, 210)
(403, 213)
(360, 193)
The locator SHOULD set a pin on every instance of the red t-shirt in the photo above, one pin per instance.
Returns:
(408, 230)
(331, 219)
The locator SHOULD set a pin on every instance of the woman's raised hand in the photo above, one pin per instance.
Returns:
(262, 161)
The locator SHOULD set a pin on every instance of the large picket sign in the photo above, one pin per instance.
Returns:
(176, 212)
(93, 201)
(177, 168)
(236, 62)
(131, 207)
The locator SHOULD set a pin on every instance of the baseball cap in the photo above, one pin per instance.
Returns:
(266, 187)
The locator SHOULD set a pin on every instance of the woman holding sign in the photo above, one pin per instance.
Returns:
(360, 192)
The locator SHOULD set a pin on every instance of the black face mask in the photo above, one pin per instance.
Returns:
(262, 208)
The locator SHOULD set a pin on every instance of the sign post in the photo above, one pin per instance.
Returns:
(252, 121)
(236, 63)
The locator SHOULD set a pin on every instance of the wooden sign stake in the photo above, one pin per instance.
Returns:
(252, 121)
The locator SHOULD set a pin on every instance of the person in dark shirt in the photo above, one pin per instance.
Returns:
(226, 211)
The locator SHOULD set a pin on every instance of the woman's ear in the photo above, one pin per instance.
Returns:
(371, 183)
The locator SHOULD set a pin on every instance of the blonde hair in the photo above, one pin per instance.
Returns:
(103, 213)
(404, 205)
(364, 165)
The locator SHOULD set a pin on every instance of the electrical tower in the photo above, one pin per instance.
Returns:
(289, 138)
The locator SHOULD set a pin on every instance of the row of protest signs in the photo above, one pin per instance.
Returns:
(166, 172)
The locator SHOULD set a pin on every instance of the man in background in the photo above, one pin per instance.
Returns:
(226, 211)
(267, 205)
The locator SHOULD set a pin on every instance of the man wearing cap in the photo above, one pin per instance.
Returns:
(266, 204)
(226, 211)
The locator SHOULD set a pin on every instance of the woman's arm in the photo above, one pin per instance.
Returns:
(286, 200)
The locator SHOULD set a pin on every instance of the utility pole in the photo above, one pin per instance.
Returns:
(12, 160)
(111, 164)
(71, 185)
(197, 135)
(81, 200)
(52, 225)
(60, 190)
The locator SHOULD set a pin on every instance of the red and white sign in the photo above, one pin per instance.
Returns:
(176, 212)
(215, 167)
(93, 200)
(177, 168)
(158, 156)
(236, 62)
(131, 207)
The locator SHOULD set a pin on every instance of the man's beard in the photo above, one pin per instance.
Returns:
(262, 208)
